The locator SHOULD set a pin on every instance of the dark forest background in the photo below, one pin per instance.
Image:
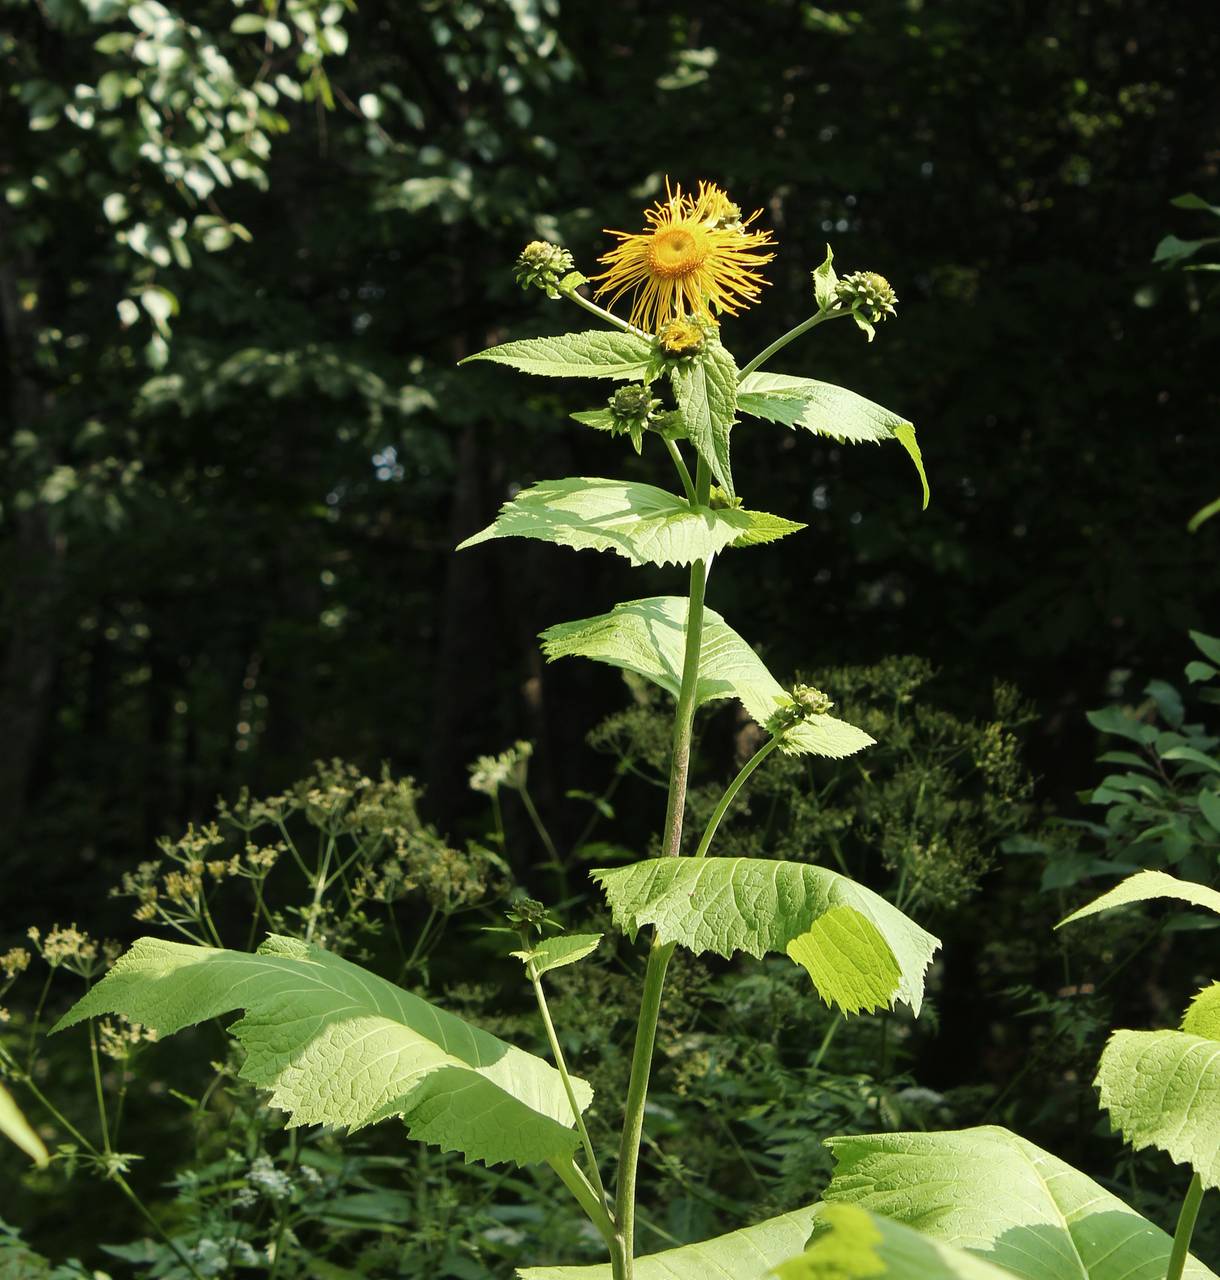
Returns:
(236, 460)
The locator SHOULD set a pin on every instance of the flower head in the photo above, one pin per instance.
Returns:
(543, 266)
(696, 255)
(867, 293)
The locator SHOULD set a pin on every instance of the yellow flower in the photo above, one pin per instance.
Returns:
(696, 255)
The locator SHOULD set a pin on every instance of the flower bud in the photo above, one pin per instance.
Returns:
(631, 409)
(806, 702)
(867, 294)
(682, 337)
(543, 266)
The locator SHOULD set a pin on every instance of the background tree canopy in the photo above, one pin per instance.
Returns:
(242, 248)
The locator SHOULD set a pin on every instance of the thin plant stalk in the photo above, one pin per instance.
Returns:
(1185, 1228)
(562, 1067)
(797, 331)
(602, 314)
(730, 793)
(623, 1263)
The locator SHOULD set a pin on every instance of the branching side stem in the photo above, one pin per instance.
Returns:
(730, 793)
(805, 325)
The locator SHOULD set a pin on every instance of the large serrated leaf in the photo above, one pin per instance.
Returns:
(706, 391)
(860, 951)
(1162, 1089)
(1146, 886)
(594, 354)
(825, 409)
(748, 1254)
(850, 1243)
(338, 1045)
(649, 638)
(645, 524)
(1000, 1197)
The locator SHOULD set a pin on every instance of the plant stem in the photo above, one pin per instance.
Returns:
(562, 1067)
(684, 716)
(561, 871)
(683, 473)
(805, 325)
(603, 314)
(730, 793)
(1185, 1228)
(584, 1195)
(623, 1258)
(637, 1094)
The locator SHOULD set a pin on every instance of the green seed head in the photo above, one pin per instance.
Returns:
(868, 294)
(543, 266)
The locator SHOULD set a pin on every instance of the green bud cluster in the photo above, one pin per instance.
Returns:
(631, 411)
(867, 294)
(544, 266)
(719, 500)
(526, 914)
(806, 703)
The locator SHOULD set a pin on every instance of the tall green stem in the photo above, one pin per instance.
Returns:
(730, 793)
(767, 352)
(1185, 1228)
(623, 1258)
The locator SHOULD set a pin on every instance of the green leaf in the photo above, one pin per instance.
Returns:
(1192, 201)
(1172, 249)
(1122, 724)
(554, 953)
(820, 407)
(748, 1254)
(1193, 756)
(904, 433)
(338, 1045)
(824, 282)
(1209, 807)
(644, 524)
(1197, 671)
(1002, 1198)
(828, 410)
(860, 950)
(1208, 646)
(649, 638)
(1202, 1017)
(1145, 886)
(594, 354)
(850, 1243)
(706, 391)
(1162, 1089)
(16, 1128)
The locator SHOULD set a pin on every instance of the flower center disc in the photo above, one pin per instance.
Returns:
(677, 251)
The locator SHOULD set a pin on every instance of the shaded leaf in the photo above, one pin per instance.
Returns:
(860, 950)
(640, 522)
(748, 1254)
(649, 638)
(338, 1045)
(994, 1194)
(850, 1243)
